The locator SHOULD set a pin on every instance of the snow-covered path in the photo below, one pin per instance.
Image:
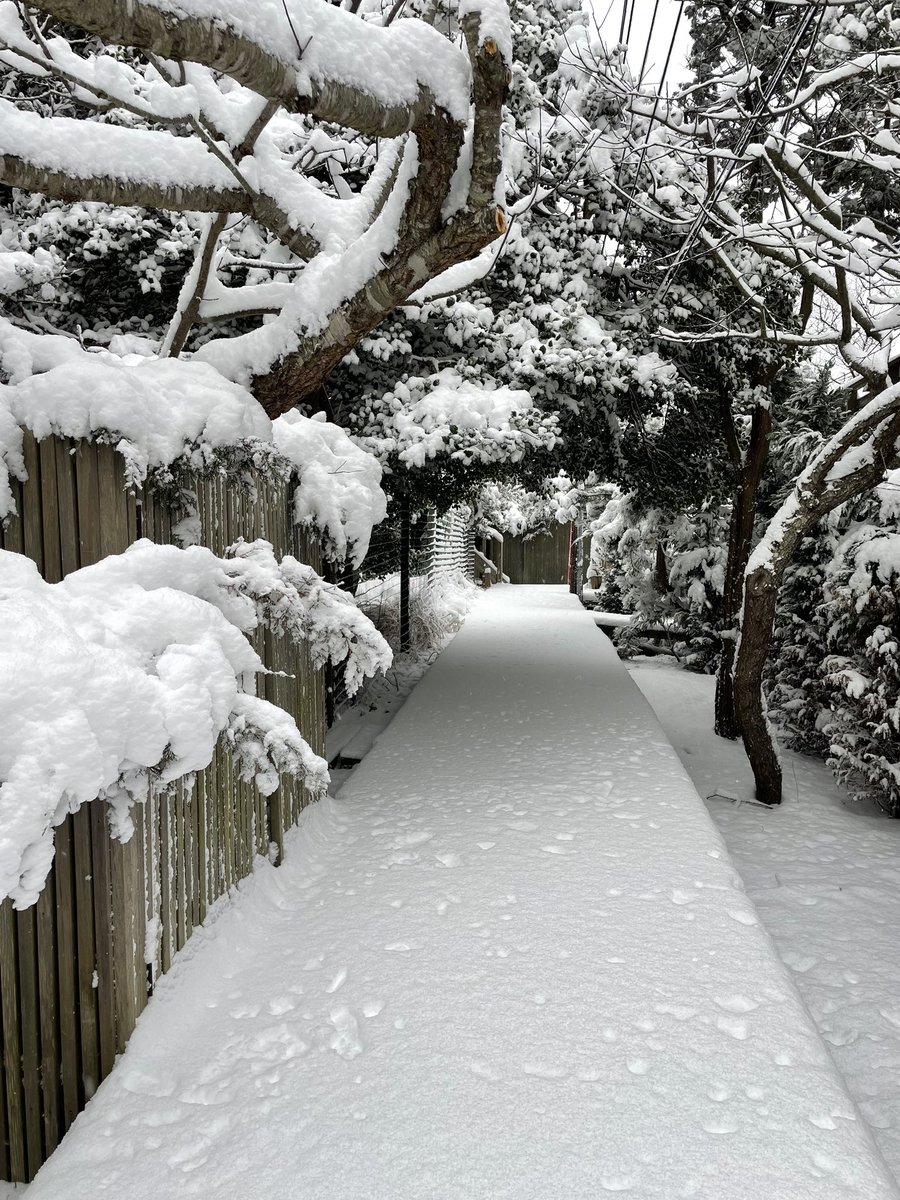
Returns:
(511, 961)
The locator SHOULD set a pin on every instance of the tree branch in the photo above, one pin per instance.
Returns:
(221, 44)
(55, 156)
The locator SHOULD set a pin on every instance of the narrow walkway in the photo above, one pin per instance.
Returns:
(511, 961)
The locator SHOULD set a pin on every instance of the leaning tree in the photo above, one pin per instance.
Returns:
(230, 111)
(796, 128)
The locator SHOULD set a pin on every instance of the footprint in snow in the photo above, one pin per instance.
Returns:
(411, 839)
(545, 1071)
(554, 850)
(448, 860)
(345, 1040)
(736, 1004)
(681, 1012)
(618, 1183)
(483, 1071)
(734, 1027)
(743, 916)
(280, 1005)
(801, 963)
(245, 1010)
(338, 981)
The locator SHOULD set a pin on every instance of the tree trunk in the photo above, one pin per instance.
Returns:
(740, 535)
(760, 595)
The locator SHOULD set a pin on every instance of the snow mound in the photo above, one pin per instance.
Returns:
(340, 483)
(122, 678)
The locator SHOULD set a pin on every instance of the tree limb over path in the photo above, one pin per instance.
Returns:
(429, 203)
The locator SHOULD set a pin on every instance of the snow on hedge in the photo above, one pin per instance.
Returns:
(446, 414)
(122, 678)
(163, 414)
(340, 483)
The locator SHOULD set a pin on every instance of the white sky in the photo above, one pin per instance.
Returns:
(609, 17)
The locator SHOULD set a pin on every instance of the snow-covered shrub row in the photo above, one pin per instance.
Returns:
(445, 414)
(437, 607)
(122, 678)
(666, 569)
(862, 670)
(833, 679)
(514, 509)
(168, 414)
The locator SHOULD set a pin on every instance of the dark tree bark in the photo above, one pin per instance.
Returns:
(750, 468)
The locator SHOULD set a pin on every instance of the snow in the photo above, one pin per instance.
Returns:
(162, 413)
(823, 875)
(511, 959)
(392, 64)
(470, 421)
(321, 288)
(340, 483)
(613, 620)
(81, 150)
(123, 677)
(154, 411)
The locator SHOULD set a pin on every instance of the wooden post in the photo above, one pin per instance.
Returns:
(404, 573)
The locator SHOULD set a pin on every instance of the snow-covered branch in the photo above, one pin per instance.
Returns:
(217, 118)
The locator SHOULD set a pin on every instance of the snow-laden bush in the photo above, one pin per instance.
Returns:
(122, 678)
(667, 570)
(862, 670)
(503, 507)
(437, 607)
(340, 484)
(798, 698)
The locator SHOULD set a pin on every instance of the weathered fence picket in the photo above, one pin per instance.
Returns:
(76, 969)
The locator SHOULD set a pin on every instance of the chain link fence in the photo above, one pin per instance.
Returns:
(439, 548)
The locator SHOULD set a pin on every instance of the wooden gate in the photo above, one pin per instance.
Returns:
(540, 559)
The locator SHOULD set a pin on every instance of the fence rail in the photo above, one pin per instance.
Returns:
(76, 969)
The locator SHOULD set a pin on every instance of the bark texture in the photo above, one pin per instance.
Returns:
(750, 468)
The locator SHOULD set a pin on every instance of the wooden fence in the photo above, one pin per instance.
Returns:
(541, 559)
(76, 969)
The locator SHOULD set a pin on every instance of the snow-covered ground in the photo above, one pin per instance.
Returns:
(824, 874)
(510, 960)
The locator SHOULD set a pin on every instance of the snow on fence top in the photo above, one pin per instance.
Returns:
(164, 414)
(121, 679)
